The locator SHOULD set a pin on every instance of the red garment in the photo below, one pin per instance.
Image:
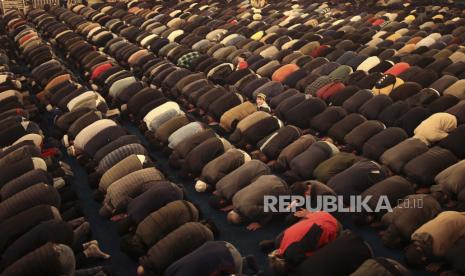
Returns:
(319, 51)
(242, 65)
(329, 90)
(49, 152)
(398, 68)
(283, 72)
(296, 232)
(378, 22)
(25, 38)
(100, 69)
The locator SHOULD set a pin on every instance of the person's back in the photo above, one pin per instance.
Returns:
(339, 258)
(175, 245)
(212, 258)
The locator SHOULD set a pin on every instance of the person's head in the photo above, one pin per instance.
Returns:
(392, 238)
(133, 245)
(234, 217)
(440, 196)
(201, 186)
(239, 59)
(415, 255)
(217, 202)
(140, 270)
(212, 226)
(260, 99)
(258, 155)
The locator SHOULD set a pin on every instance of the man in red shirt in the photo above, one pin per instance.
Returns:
(313, 231)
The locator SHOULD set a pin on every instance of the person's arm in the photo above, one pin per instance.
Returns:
(259, 224)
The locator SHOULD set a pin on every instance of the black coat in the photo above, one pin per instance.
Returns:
(339, 258)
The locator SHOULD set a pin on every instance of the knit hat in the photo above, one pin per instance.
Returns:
(200, 186)
(261, 95)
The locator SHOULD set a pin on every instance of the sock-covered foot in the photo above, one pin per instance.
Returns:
(87, 244)
(93, 251)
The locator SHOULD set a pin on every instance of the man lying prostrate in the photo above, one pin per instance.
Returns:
(340, 257)
(182, 149)
(436, 127)
(213, 258)
(203, 153)
(271, 146)
(450, 185)
(159, 115)
(402, 222)
(291, 151)
(177, 244)
(393, 188)
(235, 181)
(219, 167)
(17, 132)
(138, 208)
(303, 165)
(129, 186)
(160, 137)
(49, 259)
(157, 225)
(435, 238)
(57, 231)
(293, 245)
(357, 178)
(248, 203)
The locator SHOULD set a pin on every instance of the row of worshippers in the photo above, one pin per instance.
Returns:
(42, 225)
